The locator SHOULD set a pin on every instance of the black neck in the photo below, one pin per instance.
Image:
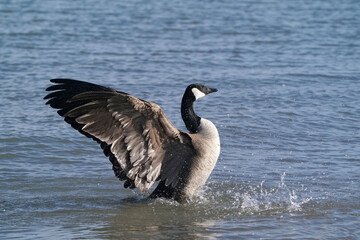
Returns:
(191, 120)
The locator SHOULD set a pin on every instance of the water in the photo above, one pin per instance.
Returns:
(287, 110)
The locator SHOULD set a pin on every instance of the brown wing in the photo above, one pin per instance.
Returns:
(140, 141)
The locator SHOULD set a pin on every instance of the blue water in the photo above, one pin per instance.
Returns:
(288, 110)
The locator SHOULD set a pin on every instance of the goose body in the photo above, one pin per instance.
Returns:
(141, 143)
(207, 145)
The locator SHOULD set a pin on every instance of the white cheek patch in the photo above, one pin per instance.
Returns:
(197, 93)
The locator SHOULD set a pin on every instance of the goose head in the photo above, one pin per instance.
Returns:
(197, 90)
(192, 93)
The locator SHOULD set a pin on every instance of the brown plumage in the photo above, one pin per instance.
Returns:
(135, 134)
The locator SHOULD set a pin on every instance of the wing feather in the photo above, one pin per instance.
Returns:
(140, 141)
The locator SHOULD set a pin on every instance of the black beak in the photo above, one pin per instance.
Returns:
(211, 90)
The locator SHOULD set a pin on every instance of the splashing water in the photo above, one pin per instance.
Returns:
(274, 199)
(228, 199)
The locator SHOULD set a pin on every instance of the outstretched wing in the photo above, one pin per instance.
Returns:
(141, 143)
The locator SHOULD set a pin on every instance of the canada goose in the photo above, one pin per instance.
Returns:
(138, 138)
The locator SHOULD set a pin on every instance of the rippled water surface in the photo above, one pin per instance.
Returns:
(288, 110)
